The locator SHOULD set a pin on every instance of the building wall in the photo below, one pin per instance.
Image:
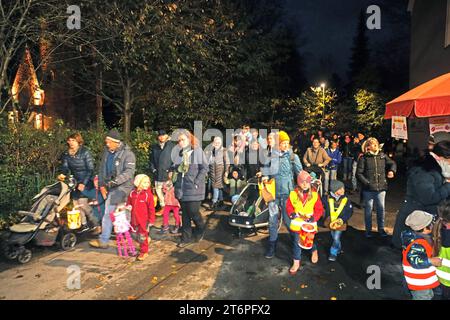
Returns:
(429, 58)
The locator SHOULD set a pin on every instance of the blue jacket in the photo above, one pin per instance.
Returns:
(284, 167)
(417, 256)
(336, 159)
(346, 213)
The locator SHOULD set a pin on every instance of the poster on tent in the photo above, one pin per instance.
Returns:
(399, 128)
(438, 124)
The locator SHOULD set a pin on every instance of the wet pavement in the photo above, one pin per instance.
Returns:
(221, 266)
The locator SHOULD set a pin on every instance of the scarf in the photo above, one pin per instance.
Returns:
(185, 162)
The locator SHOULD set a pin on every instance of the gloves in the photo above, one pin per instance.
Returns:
(110, 185)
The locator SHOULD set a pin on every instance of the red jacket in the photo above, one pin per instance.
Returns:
(318, 207)
(143, 207)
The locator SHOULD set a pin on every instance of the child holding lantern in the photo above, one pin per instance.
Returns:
(338, 210)
(304, 208)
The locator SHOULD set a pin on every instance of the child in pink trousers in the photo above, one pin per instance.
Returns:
(171, 204)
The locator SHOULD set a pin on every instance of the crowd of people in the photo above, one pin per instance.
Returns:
(185, 175)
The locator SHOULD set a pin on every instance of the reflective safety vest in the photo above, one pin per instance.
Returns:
(419, 279)
(305, 209)
(443, 272)
(334, 214)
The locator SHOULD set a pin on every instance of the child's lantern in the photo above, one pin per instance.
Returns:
(73, 219)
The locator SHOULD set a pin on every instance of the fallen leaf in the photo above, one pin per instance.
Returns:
(19, 276)
(38, 275)
(333, 298)
(155, 280)
(98, 286)
(131, 297)
(174, 266)
(263, 298)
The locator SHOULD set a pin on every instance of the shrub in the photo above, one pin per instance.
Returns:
(29, 160)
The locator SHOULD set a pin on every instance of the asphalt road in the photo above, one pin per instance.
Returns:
(222, 266)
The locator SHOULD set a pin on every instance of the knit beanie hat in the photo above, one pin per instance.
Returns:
(138, 179)
(114, 135)
(303, 176)
(283, 136)
(335, 185)
(418, 220)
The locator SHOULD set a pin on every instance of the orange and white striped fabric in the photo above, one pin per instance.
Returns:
(419, 279)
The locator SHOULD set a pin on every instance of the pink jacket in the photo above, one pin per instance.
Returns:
(169, 195)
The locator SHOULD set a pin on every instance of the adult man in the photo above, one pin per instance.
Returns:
(116, 178)
(160, 162)
(284, 166)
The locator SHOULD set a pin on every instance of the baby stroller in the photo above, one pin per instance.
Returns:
(42, 225)
(250, 210)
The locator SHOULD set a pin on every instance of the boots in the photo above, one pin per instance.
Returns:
(271, 250)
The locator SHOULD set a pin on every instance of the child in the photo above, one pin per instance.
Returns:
(338, 210)
(171, 204)
(442, 247)
(143, 211)
(122, 229)
(418, 266)
(236, 184)
(303, 204)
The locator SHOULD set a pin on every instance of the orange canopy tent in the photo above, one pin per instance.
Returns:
(430, 99)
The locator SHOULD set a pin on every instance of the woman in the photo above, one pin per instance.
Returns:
(78, 161)
(218, 170)
(191, 168)
(371, 172)
(427, 185)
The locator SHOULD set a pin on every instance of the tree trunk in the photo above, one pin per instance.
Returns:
(127, 110)
(98, 97)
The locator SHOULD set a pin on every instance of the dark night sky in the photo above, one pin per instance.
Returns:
(328, 26)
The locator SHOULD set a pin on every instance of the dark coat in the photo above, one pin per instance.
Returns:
(192, 184)
(345, 215)
(371, 171)
(161, 160)
(424, 191)
(218, 165)
(124, 167)
(255, 166)
(80, 165)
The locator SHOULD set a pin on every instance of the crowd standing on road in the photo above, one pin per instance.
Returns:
(306, 195)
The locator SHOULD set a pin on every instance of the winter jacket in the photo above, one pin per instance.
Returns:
(316, 157)
(371, 171)
(80, 165)
(297, 194)
(192, 183)
(161, 160)
(345, 214)
(284, 167)
(219, 164)
(417, 256)
(336, 159)
(347, 149)
(169, 195)
(143, 207)
(120, 182)
(424, 191)
(236, 186)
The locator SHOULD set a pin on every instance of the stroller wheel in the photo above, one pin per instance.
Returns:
(68, 241)
(25, 256)
(10, 252)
